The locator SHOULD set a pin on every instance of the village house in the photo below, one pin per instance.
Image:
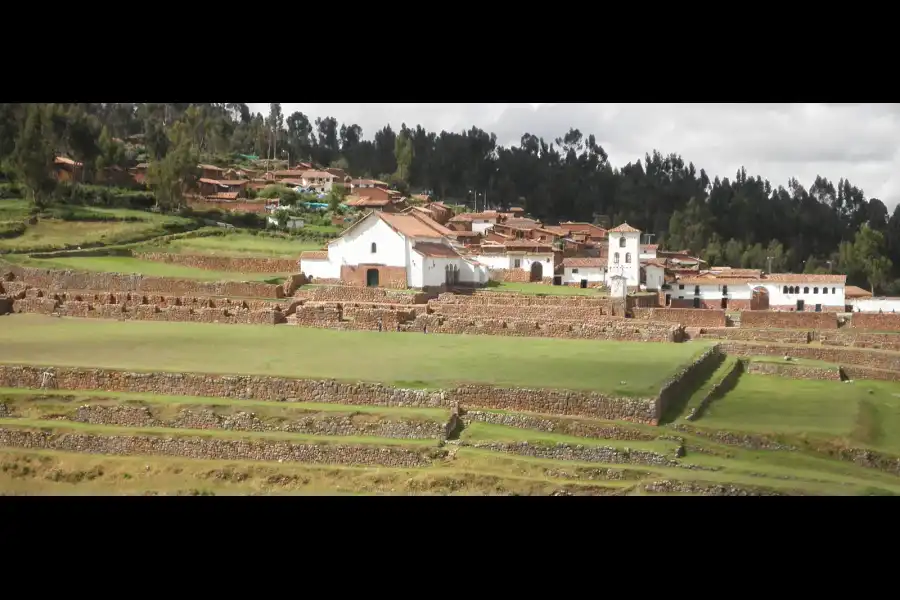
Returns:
(67, 169)
(519, 260)
(394, 250)
(772, 291)
(584, 271)
(214, 187)
(320, 181)
(475, 222)
(367, 183)
(211, 172)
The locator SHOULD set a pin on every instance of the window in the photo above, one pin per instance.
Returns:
(785, 291)
(815, 290)
(621, 242)
(824, 290)
(681, 286)
(574, 271)
(628, 257)
(374, 247)
(724, 289)
(806, 290)
(517, 263)
(696, 290)
(616, 258)
(832, 291)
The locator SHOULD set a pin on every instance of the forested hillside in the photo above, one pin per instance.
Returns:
(739, 221)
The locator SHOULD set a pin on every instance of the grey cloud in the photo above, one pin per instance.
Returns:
(774, 140)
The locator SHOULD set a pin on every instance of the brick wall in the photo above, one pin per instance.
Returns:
(224, 263)
(875, 321)
(764, 319)
(689, 317)
(558, 402)
(388, 277)
(85, 280)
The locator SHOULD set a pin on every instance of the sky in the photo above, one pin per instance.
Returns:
(860, 142)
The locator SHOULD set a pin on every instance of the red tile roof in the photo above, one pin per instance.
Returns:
(374, 182)
(210, 168)
(314, 255)
(851, 291)
(624, 228)
(582, 261)
(64, 160)
(223, 196)
(411, 225)
(432, 250)
(802, 278)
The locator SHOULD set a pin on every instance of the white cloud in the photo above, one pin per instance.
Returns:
(775, 141)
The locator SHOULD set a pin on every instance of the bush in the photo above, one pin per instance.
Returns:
(240, 219)
(98, 195)
(11, 190)
(10, 229)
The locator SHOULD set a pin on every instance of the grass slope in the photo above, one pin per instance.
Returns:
(390, 357)
(240, 244)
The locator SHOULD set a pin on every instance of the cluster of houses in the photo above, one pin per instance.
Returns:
(429, 247)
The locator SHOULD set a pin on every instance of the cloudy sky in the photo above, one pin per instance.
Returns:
(776, 141)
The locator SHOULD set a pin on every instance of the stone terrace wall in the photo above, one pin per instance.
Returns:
(783, 336)
(875, 321)
(611, 329)
(689, 317)
(511, 311)
(483, 297)
(858, 339)
(549, 401)
(224, 263)
(150, 308)
(794, 371)
(688, 378)
(856, 372)
(346, 293)
(84, 280)
(839, 356)
(764, 319)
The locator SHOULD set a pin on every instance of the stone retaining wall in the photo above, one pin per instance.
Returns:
(689, 317)
(765, 319)
(783, 336)
(875, 321)
(224, 263)
(839, 356)
(84, 280)
(718, 390)
(218, 449)
(346, 293)
(310, 424)
(488, 297)
(688, 378)
(603, 454)
(792, 371)
(547, 401)
(668, 486)
(572, 427)
(509, 311)
(858, 339)
(857, 372)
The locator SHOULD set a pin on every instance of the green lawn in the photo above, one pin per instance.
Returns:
(541, 288)
(127, 264)
(432, 360)
(862, 412)
(241, 244)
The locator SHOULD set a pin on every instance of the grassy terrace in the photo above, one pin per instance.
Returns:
(624, 368)
(239, 244)
(127, 264)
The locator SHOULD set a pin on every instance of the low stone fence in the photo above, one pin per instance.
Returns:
(766, 319)
(143, 307)
(689, 317)
(548, 401)
(782, 336)
(52, 280)
(217, 448)
(224, 263)
(793, 371)
(347, 293)
(611, 329)
(838, 356)
(875, 321)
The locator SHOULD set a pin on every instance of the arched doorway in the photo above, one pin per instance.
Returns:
(537, 271)
(760, 299)
(372, 278)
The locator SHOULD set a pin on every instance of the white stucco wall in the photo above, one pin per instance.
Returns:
(887, 305)
(482, 225)
(526, 260)
(320, 268)
(834, 297)
(434, 270)
(592, 274)
(473, 273)
(356, 246)
(494, 261)
(631, 271)
(656, 276)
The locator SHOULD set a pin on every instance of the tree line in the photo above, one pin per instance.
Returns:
(744, 221)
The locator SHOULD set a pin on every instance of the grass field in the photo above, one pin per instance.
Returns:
(127, 264)
(626, 368)
(241, 244)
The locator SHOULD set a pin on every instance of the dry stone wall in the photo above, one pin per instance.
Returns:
(82, 280)
(858, 372)
(839, 356)
(603, 454)
(219, 449)
(574, 427)
(547, 401)
(783, 336)
(670, 486)
(689, 317)
(858, 339)
(224, 263)
(875, 321)
(346, 293)
(793, 371)
(510, 311)
(765, 319)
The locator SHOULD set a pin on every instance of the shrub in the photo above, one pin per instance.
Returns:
(11, 190)
(10, 229)
(98, 195)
